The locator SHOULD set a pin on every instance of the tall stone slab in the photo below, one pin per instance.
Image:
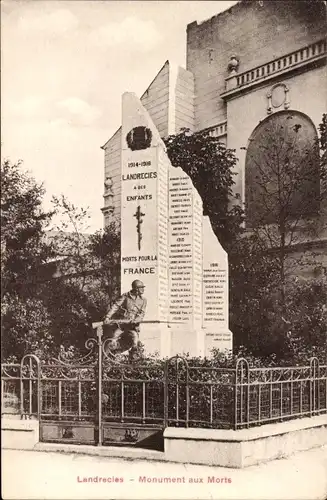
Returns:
(215, 304)
(185, 264)
(144, 219)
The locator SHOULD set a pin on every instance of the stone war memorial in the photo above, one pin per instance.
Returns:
(168, 244)
(248, 70)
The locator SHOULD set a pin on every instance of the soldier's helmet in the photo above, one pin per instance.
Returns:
(137, 284)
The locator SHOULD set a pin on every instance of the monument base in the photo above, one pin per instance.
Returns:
(168, 340)
(156, 338)
(187, 340)
(222, 340)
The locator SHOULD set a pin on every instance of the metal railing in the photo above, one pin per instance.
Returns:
(20, 387)
(265, 395)
(170, 392)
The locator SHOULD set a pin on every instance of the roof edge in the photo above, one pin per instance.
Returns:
(111, 137)
(167, 63)
(223, 12)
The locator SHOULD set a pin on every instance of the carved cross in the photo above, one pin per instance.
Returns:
(138, 214)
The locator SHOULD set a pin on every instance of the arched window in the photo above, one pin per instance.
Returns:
(282, 170)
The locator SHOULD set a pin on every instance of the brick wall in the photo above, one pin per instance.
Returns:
(256, 32)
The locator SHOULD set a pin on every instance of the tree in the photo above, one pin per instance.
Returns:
(104, 250)
(289, 332)
(252, 279)
(26, 327)
(87, 274)
(259, 319)
(323, 145)
(70, 239)
(307, 318)
(284, 193)
(23, 222)
(24, 252)
(54, 283)
(286, 188)
(211, 166)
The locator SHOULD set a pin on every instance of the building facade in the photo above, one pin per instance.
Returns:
(258, 62)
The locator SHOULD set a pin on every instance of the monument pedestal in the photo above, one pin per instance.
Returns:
(156, 337)
(169, 339)
(187, 340)
(222, 340)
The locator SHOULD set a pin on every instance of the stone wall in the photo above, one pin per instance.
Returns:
(245, 112)
(244, 447)
(112, 168)
(255, 32)
(184, 100)
(156, 100)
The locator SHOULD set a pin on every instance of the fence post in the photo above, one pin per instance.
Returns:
(187, 396)
(166, 394)
(242, 371)
(30, 378)
(39, 390)
(21, 389)
(314, 374)
(98, 378)
(235, 395)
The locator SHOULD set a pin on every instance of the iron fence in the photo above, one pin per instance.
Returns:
(266, 395)
(97, 389)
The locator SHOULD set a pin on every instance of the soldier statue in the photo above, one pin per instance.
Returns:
(126, 315)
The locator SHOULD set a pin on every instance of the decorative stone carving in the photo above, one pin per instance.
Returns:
(68, 433)
(131, 435)
(139, 138)
(108, 194)
(108, 211)
(108, 183)
(233, 65)
(278, 96)
(231, 80)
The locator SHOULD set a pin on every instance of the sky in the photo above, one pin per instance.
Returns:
(65, 65)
